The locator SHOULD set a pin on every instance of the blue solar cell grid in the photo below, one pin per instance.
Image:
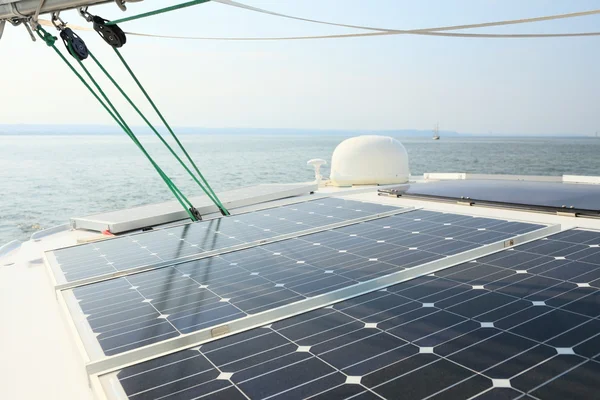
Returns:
(152, 306)
(519, 324)
(99, 258)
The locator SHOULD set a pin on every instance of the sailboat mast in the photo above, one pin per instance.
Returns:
(436, 132)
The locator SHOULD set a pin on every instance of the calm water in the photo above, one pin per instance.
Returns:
(44, 180)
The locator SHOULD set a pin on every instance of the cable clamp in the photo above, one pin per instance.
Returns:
(83, 11)
(57, 21)
(194, 211)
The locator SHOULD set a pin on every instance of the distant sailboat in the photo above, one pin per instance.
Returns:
(436, 132)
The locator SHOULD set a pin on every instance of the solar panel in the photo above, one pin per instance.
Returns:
(141, 309)
(161, 213)
(127, 252)
(545, 196)
(521, 323)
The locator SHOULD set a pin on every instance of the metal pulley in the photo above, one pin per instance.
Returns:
(111, 34)
(74, 44)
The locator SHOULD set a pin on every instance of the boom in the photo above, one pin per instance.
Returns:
(18, 9)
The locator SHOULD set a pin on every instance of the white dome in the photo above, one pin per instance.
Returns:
(368, 160)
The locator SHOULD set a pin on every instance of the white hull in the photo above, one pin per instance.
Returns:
(39, 341)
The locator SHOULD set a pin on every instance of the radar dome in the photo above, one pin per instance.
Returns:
(369, 160)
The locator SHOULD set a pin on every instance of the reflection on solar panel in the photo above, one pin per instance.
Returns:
(545, 196)
(521, 321)
(152, 306)
(132, 251)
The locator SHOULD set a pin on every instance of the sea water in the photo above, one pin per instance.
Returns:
(46, 179)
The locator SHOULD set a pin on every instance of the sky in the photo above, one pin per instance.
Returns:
(499, 86)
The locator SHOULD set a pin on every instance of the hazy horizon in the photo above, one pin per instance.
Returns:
(504, 86)
(76, 129)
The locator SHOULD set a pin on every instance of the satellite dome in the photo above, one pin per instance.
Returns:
(369, 160)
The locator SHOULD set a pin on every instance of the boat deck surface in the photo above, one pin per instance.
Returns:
(40, 356)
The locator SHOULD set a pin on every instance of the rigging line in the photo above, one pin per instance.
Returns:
(37, 12)
(159, 11)
(174, 189)
(49, 39)
(179, 196)
(445, 28)
(117, 117)
(130, 133)
(349, 35)
(114, 36)
(150, 125)
(211, 194)
(355, 35)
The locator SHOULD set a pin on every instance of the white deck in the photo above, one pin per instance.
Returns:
(40, 355)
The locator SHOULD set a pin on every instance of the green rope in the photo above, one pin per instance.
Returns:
(176, 192)
(152, 128)
(159, 11)
(117, 116)
(214, 196)
(50, 40)
(46, 37)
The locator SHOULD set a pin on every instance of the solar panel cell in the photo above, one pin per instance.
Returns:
(155, 305)
(431, 323)
(491, 344)
(545, 372)
(437, 374)
(128, 252)
(581, 383)
(521, 362)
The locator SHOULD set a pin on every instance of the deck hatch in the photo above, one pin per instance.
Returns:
(477, 330)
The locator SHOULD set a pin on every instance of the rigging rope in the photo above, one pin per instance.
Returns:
(176, 192)
(349, 35)
(436, 31)
(116, 38)
(208, 190)
(50, 40)
(355, 35)
(398, 31)
(211, 196)
(159, 11)
(414, 31)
